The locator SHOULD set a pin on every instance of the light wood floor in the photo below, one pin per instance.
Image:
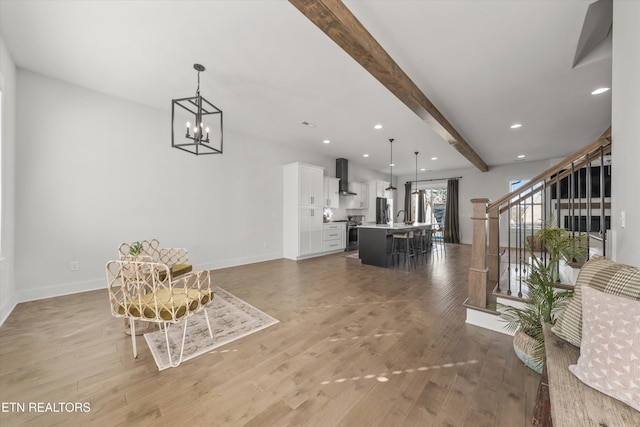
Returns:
(343, 327)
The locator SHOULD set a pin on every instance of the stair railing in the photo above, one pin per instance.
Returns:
(564, 195)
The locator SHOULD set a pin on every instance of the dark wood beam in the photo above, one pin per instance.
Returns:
(337, 21)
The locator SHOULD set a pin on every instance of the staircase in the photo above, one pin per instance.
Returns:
(574, 194)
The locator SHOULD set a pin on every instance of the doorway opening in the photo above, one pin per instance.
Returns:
(430, 204)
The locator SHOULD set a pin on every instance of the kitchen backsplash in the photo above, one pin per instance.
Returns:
(342, 213)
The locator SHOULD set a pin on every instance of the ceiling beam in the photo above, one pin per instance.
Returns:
(337, 21)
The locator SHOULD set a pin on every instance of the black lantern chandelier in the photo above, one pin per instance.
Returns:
(391, 187)
(205, 136)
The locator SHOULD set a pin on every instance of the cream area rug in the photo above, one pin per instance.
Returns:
(231, 319)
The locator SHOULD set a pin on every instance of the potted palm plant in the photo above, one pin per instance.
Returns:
(544, 300)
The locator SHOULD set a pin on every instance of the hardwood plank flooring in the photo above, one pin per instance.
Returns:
(356, 345)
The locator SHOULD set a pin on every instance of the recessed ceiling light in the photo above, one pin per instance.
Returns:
(311, 125)
(365, 155)
(326, 141)
(516, 125)
(521, 156)
(423, 169)
(600, 90)
(378, 126)
(434, 158)
(392, 164)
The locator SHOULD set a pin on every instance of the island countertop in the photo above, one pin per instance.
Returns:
(375, 241)
(398, 226)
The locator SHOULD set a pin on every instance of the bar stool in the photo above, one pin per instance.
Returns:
(404, 245)
(422, 243)
(437, 239)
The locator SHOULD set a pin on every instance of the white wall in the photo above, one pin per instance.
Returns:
(625, 127)
(357, 173)
(8, 295)
(93, 171)
(475, 184)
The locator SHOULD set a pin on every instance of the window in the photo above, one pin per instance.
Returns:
(434, 204)
(525, 212)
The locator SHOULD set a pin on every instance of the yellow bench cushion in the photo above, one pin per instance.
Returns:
(180, 269)
(148, 305)
(176, 270)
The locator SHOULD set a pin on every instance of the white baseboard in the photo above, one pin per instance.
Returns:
(234, 262)
(510, 302)
(9, 298)
(61, 290)
(101, 283)
(7, 307)
(486, 320)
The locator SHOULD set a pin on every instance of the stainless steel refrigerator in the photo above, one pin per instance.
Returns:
(382, 210)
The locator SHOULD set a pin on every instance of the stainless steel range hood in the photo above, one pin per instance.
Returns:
(342, 173)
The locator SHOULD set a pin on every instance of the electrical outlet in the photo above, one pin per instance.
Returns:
(74, 266)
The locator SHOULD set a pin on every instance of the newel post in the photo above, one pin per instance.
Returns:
(493, 257)
(478, 272)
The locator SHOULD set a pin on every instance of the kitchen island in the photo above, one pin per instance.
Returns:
(374, 241)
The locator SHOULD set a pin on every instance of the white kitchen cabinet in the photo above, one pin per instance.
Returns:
(311, 231)
(361, 199)
(364, 196)
(311, 184)
(377, 189)
(331, 192)
(334, 237)
(302, 210)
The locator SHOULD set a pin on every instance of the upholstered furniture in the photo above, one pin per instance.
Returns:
(422, 242)
(592, 365)
(437, 239)
(569, 401)
(177, 259)
(604, 275)
(402, 243)
(610, 351)
(147, 291)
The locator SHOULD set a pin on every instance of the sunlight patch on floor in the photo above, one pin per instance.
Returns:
(384, 377)
(223, 351)
(389, 334)
(356, 304)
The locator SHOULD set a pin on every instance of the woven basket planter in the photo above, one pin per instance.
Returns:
(524, 346)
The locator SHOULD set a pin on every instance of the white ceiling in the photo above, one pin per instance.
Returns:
(484, 64)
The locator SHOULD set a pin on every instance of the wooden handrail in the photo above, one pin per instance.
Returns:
(487, 264)
(583, 160)
(604, 140)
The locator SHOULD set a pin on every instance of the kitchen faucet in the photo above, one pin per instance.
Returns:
(402, 211)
